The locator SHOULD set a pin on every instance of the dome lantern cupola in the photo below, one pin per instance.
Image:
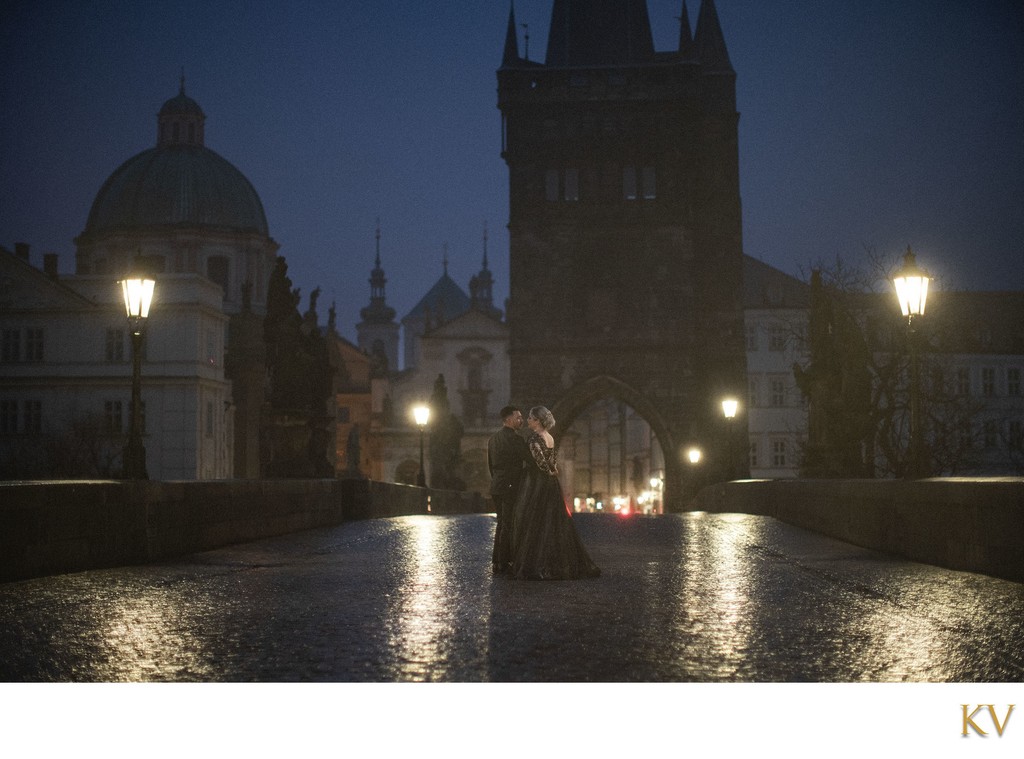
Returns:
(180, 121)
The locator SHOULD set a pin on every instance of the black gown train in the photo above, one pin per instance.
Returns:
(545, 545)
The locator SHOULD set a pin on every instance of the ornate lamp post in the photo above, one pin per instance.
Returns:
(911, 285)
(422, 415)
(729, 408)
(138, 297)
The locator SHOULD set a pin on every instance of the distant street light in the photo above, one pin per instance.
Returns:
(729, 408)
(138, 292)
(693, 455)
(422, 415)
(911, 285)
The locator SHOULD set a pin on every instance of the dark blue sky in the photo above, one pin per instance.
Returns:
(863, 124)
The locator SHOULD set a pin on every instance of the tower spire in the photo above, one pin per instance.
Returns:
(377, 260)
(481, 288)
(510, 57)
(685, 35)
(485, 245)
(709, 40)
(378, 310)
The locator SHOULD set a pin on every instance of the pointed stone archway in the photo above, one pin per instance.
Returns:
(577, 399)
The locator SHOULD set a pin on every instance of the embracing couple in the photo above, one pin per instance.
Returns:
(535, 538)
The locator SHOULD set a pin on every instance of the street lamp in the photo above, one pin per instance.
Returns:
(911, 285)
(138, 290)
(422, 415)
(729, 408)
(693, 455)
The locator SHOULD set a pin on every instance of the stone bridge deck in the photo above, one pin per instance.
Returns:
(684, 598)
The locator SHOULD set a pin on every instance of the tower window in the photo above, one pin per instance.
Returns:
(650, 186)
(572, 184)
(562, 184)
(639, 184)
(629, 183)
(551, 184)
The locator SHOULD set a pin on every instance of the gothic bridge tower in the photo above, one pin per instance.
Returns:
(625, 228)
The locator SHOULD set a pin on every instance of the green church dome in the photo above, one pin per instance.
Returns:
(179, 183)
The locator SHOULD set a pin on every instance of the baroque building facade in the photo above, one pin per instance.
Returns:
(196, 224)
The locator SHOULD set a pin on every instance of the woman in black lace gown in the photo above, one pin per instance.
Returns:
(545, 545)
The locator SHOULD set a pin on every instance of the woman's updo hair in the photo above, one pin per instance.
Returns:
(542, 415)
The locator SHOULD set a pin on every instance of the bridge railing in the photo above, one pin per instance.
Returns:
(69, 526)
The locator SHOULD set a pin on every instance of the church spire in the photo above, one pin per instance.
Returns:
(378, 311)
(481, 288)
(710, 41)
(485, 246)
(511, 54)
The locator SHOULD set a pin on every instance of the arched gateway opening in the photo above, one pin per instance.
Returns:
(612, 442)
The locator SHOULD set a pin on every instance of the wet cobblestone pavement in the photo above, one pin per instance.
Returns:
(684, 598)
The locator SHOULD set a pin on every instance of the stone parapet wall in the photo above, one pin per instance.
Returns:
(54, 527)
(970, 524)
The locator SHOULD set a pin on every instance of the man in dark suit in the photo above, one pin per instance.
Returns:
(506, 454)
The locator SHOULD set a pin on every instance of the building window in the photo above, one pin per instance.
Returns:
(754, 397)
(990, 433)
(32, 417)
(217, 270)
(113, 424)
(963, 381)
(571, 187)
(629, 183)
(11, 350)
(1016, 435)
(8, 417)
(752, 330)
(988, 381)
(778, 391)
(34, 344)
(115, 345)
(650, 183)
(1013, 381)
(777, 339)
(562, 184)
(642, 184)
(778, 453)
(551, 184)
